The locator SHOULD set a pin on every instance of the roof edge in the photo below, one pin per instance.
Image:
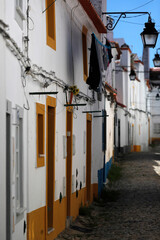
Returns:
(93, 15)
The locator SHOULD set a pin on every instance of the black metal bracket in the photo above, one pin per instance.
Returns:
(101, 116)
(42, 93)
(157, 50)
(75, 105)
(110, 26)
(91, 111)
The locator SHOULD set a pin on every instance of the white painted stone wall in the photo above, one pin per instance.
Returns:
(66, 62)
(2, 134)
(133, 95)
(153, 106)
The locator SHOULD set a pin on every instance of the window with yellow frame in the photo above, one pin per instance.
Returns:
(40, 115)
(85, 59)
(51, 24)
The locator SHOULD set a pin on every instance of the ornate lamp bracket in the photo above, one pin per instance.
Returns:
(112, 24)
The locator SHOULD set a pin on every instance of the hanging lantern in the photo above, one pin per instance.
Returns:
(150, 34)
(156, 59)
(132, 75)
(157, 96)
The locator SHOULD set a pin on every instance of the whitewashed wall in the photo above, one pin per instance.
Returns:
(63, 64)
(154, 110)
(2, 134)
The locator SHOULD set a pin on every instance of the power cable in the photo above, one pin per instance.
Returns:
(140, 6)
(49, 6)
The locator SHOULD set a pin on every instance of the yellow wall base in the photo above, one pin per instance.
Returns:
(36, 220)
(136, 148)
(155, 140)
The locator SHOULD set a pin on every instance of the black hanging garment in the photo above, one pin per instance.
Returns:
(108, 51)
(94, 71)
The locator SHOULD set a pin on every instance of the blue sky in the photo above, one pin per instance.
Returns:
(131, 31)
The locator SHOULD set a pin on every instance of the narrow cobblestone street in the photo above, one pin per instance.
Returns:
(135, 213)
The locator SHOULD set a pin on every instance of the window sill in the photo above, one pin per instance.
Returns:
(20, 211)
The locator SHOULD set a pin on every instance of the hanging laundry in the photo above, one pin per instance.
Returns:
(96, 66)
(108, 45)
(107, 55)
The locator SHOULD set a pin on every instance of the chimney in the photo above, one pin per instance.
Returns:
(98, 5)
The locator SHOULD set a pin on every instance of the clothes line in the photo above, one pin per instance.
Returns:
(103, 45)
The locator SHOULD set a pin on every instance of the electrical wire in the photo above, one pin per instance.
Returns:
(31, 29)
(140, 6)
(48, 6)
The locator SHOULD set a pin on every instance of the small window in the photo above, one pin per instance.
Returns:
(84, 45)
(40, 110)
(51, 24)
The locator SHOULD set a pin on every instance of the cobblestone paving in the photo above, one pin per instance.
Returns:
(135, 215)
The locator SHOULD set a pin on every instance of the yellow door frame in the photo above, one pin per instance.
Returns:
(69, 134)
(88, 155)
(50, 102)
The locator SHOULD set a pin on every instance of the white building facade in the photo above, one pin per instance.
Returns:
(58, 139)
(132, 116)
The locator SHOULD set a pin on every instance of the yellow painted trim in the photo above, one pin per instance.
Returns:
(155, 139)
(36, 220)
(40, 109)
(88, 160)
(84, 30)
(50, 102)
(136, 148)
(69, 180)
(69, 109)
(85, 58)
(50, 41)
(89, 117)
(36, 224)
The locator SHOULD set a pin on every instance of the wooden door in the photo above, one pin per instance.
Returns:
(88, 156)
(50, 162)
(69, 129)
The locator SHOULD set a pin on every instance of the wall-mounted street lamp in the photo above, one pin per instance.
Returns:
(132, 75)
(156, 59)
(149, 35)
(157, 96)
